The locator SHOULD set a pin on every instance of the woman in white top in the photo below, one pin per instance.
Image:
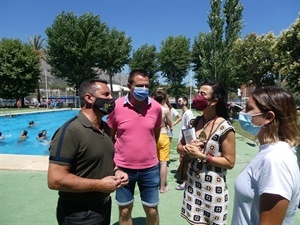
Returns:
(267, 190)
(174, 114)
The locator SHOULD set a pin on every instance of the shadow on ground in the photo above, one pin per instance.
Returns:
(138, 220)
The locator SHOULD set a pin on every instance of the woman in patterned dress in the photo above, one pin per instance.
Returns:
(205, 199)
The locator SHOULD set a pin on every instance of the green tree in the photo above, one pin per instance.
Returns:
(37, 43)
(174, 61)
(254, 59)
(211, 54)
(117, 49)
(202, 56)
(145, 58)
(19, 69)
(75, 47)
(287, 51)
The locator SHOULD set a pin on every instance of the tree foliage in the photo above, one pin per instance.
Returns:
(37, 44)
(75, 47)
(211, 54)
(204, 64)
(287, 51)
(145, 58)
(174, 60)
(117, 49)
(254, 59)
(19, 69)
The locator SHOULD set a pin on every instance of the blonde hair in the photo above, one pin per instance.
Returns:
(282, 104)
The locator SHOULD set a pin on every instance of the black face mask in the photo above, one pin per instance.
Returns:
(106, 106)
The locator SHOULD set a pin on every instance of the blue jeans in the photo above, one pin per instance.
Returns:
(68, 213)
(148, 183)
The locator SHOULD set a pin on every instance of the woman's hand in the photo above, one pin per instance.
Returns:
(195, 149)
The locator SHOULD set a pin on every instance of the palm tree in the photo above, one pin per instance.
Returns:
(37, 43)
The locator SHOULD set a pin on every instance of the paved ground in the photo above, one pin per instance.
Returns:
(26, 200)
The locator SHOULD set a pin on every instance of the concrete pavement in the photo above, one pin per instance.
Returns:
(26, 200)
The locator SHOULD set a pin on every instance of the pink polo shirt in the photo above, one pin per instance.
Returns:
(135, 146)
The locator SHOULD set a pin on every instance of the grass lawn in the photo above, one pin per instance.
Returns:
(240, 131)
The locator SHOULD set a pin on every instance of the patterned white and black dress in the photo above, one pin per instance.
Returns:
(205, 198)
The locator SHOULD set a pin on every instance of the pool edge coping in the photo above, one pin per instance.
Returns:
(24, 162)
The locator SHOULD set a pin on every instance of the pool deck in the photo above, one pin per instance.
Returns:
(23, 162)
(26, 200)
(15, 112)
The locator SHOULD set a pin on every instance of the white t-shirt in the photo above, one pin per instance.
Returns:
(174, 113)
(273, 170)
(185, 122)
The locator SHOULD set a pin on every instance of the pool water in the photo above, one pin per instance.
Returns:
(12, 127)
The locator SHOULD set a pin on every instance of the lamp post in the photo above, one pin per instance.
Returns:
(190, 90)
(46, 88)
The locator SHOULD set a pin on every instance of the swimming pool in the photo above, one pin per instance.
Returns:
(11, 128)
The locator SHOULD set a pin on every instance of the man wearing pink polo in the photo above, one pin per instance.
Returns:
(135, 127)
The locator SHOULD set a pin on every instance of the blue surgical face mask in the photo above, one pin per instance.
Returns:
(140, 93)
(245, 120)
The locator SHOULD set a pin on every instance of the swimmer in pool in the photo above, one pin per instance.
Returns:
(31, 124)
(23, 135)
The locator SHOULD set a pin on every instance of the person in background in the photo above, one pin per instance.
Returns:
(211, 154)
(31, 124)
(175, 116)
(267, 191)
(135, 128)
(23, 135)
(187, 116)
(19, 104)
(163, 144)
(1, 137)
(42, 135)
(81, 163)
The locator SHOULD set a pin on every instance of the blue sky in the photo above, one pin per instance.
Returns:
(145, 21)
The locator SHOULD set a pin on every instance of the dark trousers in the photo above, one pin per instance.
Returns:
(68, 213)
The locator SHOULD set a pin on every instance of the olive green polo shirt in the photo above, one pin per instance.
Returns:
(88, 151)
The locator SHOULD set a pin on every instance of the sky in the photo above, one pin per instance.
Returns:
(145, 21)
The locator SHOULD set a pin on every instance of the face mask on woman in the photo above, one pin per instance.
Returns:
(200, 103)
(245, 120)
(104, 105)
(140, 93)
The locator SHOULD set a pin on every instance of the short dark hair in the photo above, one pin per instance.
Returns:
(88, 86)
(159, 96)
(135, 72)
(184, 98)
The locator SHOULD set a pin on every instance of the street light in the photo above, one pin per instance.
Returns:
(190, 90)
(46, 88)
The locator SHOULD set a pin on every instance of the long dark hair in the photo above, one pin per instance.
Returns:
(219, 92)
